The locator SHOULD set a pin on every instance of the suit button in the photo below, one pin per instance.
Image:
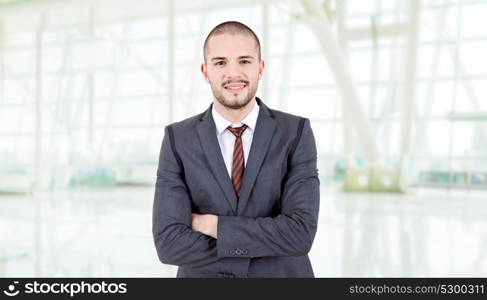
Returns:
(232, 252)
(245, 252)
(225, 275)
(238, 252)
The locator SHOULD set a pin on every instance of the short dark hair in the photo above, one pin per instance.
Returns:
(233, 28)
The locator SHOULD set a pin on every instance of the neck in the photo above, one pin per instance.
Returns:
(234, 115)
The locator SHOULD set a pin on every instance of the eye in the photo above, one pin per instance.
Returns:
(245, 61)
(219, 63)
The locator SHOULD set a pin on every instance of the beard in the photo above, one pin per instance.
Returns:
(238, 101)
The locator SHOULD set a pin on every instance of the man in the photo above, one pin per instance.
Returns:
(237, 192)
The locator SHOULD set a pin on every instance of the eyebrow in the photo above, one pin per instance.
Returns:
(240, 57)
(246, 56)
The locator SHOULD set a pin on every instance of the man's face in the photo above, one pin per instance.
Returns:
(232, 69)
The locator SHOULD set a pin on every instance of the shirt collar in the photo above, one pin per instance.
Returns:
(221, 123)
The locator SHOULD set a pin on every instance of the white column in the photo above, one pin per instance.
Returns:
(346, 122)
(2, 67)
(265, 48)
(38, 151)
(91, 82)
(91, 107)
(409, 88)
(171, 58)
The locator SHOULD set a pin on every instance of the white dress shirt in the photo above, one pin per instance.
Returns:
(226, 139)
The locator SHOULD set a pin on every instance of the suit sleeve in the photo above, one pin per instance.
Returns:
(292, 232)
(176, 243)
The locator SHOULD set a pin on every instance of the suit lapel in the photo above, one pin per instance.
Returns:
(209, 142)
(263, 133)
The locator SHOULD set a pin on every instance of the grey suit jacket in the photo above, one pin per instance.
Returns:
(269, 231)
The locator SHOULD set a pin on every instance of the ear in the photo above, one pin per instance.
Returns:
(261, 68)
(204, 71)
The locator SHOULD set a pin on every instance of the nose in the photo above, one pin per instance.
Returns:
(234, 71)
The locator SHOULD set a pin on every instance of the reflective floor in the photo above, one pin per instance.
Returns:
(429, 232)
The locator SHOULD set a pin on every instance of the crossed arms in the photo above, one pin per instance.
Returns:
(182, 238)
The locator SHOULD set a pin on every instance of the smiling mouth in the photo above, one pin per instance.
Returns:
(235, 87)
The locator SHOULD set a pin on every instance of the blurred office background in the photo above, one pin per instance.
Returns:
(395, 91)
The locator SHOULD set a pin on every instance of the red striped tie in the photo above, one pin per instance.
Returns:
(238, 165)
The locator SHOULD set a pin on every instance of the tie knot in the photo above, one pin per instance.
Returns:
(237, 131)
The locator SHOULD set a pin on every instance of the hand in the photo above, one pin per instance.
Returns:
(206, 224)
